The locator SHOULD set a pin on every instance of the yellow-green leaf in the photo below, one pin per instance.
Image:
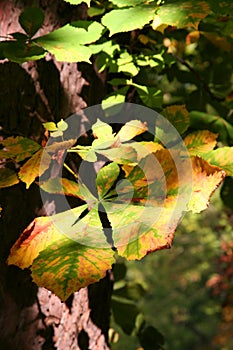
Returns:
(106, 177)
(62, 186)
(221, 157)
(201, 141)
(34, 167)
(178, 116)
(131, 129)
(102, 130)
(8, 177)
(18, 148)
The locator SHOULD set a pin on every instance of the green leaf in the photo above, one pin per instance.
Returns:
(129, 3)
(221, 157)
(18, 148)
(50, 126)
(106, 178)
(34, 167)
(67, 43)
(199, 142)
(227, 192)
(125, 20)
(151, 96)
(122, 155)
(95, 11)
(62, 125)
(214, 123)
(182, 13)
(20, 52)
(77, 2)
(8, 177)
(178, 116)
(31, 20)
(113, 103)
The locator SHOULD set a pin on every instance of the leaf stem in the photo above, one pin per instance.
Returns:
(71, 171)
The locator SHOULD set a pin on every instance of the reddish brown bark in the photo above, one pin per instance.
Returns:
(32, 318)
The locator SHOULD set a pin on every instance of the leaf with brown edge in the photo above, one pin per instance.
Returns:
(139, 230)
(62, 186)
(221, 157)
(181, 14)
(18, 148)
(57, 146)
(8, 177)
(201, 141)
(131, 129)
(66, 266)
(34, 167)
(205, 180)
(102, 131)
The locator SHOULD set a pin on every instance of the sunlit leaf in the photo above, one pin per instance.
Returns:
(128, 3)
(201, 141)
(102, 131)
(190, 13)
(18, 148)
(62, 125)
(66, 252)
(66, 266)
(8, 177)
(125, 20)
(178, 116)
(34, 167)
(205, 180)
(122, 155)
(31, 20)
(106, 178)
(67, 43)
(50, 126)
(113, 103)
(131, 129)
(221, 157)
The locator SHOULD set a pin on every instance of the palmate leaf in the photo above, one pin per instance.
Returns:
(178, 116)
(221, 157)
(182, 13)
(18, 148)
(62, 186)
(106, 178)
(65, 253)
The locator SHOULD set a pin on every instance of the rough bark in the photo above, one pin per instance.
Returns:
(33, 318)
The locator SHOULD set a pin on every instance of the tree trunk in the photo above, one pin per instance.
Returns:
(34, 318)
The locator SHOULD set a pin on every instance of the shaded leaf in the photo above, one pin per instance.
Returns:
(56, 146)
(178, 116)
(106, 178)
(205, 180)
(62, 186)
(128, 19)
(128, 3)
(199, 142)
(34, 167)
(221, 157)
(20, 52)
(18, 148)
(151, 96)
(77, 2)
(8, 177)
(131, 129)
(227, 192)
(31, 20)
(123, 155)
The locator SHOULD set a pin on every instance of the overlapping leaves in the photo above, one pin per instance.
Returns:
(140, 195)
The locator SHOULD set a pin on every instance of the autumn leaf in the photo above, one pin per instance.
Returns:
(102, 131)
(201, 141)
(205, 180)
(34, 167)
(221, 157)
(178, 116)
(8, 177)
(66, 253)
(106, 178)
(131, 129)
(18, 148)
(62, 186)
